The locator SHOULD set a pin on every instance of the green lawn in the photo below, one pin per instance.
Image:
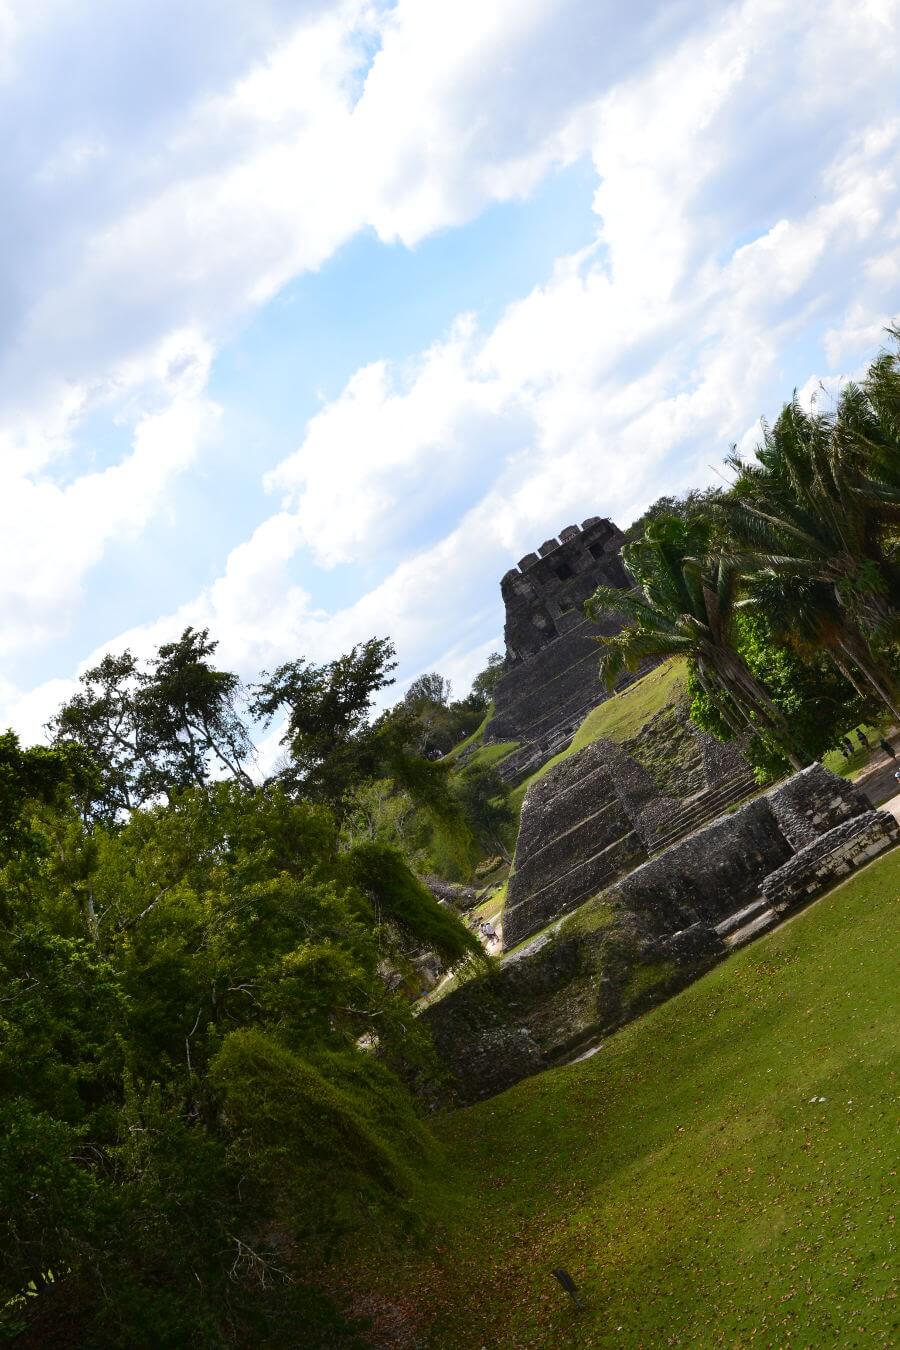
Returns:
(474, 738)
(620, 717)
(490, 754)
(836, 762)
(687, 1174)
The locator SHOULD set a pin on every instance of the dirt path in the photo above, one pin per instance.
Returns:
(892, 805)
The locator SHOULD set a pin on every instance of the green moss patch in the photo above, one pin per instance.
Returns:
(488, 755)
(644, 978)
(591, 917)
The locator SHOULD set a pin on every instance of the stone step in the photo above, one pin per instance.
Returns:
(701, 811)
(707, 807)
(741, 917)
(767, 919)
(571, 889)
(587, 836)
(722, 794)
(580, 774)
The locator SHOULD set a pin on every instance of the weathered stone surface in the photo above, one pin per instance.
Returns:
(551, 679)
(575, 838)
(668, 748)
(813, 802)
(722, 760)
(479, 1042)
(461, 897)
(707, 875)
(645, 807)
(652, 931)
(830, 857)
(575, 986)
(697, 941)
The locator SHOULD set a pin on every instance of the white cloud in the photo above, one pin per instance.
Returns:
(748, 213)
(191, 163)
(52, 535)
(630, 371)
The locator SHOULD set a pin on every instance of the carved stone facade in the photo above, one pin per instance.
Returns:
(597, 815)
(551, 682)
(544, 594)
(575, 838)
(652, 930)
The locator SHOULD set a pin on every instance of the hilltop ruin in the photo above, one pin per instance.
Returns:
(550, 681)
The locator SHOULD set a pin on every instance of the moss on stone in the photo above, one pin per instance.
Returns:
(642, 979)
(593, 916)
(670, 752)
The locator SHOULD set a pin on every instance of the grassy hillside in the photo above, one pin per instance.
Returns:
(719, 1173)
(836, 762)
(622, 716)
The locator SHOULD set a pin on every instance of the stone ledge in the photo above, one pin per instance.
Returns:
(832, 856)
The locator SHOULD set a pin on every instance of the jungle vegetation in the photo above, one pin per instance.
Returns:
(209, 1066)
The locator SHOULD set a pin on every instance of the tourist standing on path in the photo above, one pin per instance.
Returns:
(887, 747)
(489, 932)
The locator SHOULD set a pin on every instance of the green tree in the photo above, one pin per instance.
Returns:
(684, 604)
(28, 777)
(190, 1122)
(810, 510)
(689, 505)
(486, 681)
(817, 701)
(152, 730)
(327, 736)
(435, 723)
(484, 799)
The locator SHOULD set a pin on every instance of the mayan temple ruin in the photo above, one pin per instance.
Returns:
(551, 681)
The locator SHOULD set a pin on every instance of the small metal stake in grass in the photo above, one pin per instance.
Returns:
(570, 1287)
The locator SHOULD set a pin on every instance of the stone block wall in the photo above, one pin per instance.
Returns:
(550, 682)
(544, 594)
(576, 981)
(813, 802)
(709, 874)
(592, 819)
(575, 838)
(830, 857)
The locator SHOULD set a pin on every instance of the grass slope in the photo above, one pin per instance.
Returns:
(620, 717)
(836, 762)
(688, 1174)
(488, 755)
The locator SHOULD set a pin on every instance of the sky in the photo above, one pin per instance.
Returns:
(316, 316)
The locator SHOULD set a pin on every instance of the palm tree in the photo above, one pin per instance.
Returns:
(809, 509)
(807, 613)
(868, 417)
(683, 604)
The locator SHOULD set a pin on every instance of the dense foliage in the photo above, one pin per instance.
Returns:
(205, 974)
(205, 1021)
(783, 591)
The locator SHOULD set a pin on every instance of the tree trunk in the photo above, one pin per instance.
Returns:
(739, 679)
(872, 673)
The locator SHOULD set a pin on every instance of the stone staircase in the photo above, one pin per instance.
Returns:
(575, 838)
(701, 809)
(553, 733)
(747, 923)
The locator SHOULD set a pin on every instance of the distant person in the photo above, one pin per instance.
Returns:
(887, 748)
(846, 747)
(862, 738)
(897, 775)
(489, 930)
